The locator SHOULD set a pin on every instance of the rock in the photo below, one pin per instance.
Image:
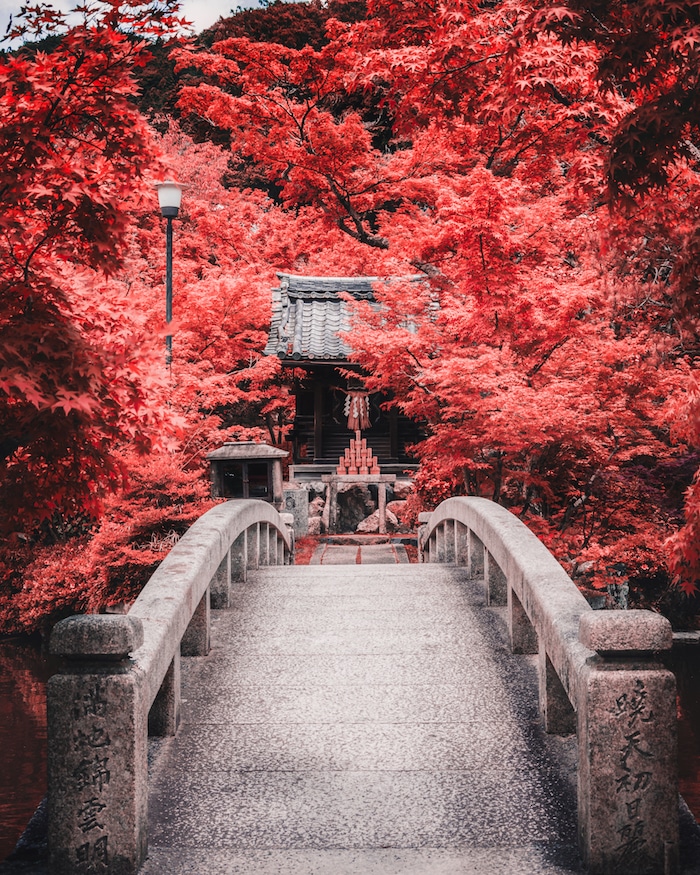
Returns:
(354, 505)
(315, 488)
(315, 525)
(402, 489)
(371, 523)
(316, 507)
(583, 568)
(398, 508)
(296, 504)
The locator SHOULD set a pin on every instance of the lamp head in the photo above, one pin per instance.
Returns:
(169, 197)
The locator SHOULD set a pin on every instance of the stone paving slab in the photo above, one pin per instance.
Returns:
(321, 579)
(357, 721)
(389, 553)
(361, 746)
(248, 621)
(351, 809)
(350, 640)
(337, 554)
(434, 703)
(378, 554)
(327, 669)
(532, 860)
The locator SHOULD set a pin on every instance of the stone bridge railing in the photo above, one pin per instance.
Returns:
(600, 676)
(120, 681)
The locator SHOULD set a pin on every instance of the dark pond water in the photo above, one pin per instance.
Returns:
(24, 672)
(23, 675)
(686, 666)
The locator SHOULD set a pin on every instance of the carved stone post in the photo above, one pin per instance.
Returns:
(221, 583)
(239, 558)
(97, 737)
(272, 552)
(461, 544)
(287, 555)
(439, 543)
(164, 716)
(381, 501)
(277, 484)
(253, 542)
(476, 556)
(450, 541)
(496, 583)
(557, 711)
(197, 638)
(523, 636)
(423, 547)
(628, 783)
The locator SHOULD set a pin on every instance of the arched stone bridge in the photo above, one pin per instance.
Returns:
(363, 718)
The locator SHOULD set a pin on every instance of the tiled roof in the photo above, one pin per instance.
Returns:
(246, 450)
(308, 314)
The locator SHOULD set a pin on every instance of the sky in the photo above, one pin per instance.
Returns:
(203, 13)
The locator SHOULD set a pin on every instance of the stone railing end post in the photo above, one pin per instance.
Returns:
(423, 519)
(99, 637)
(628, 783)
(288, 520)
(97, 768)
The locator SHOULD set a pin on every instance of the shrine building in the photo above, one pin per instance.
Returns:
(336, 419)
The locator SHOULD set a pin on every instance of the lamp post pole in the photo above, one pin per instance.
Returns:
(169, 197)
(168, 288)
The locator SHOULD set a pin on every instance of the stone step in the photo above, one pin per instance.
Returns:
(390, 553)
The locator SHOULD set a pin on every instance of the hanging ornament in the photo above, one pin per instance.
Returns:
(357, 410)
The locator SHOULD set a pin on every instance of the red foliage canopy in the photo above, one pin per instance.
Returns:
(543, 356)
(474, 142)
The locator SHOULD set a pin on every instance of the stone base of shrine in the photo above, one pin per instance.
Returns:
(335, 483)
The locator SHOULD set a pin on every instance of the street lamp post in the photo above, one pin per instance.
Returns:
(169, 198)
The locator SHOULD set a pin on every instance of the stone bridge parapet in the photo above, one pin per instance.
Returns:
(121, 681)
(600, 675)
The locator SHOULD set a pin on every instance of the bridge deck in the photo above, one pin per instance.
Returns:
(366, 719)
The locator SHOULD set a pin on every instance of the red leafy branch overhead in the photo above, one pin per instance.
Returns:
(74, 154)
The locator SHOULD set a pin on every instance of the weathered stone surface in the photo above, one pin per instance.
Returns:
(372, 715)
(533, 860)
(619, 632)
(100, 636)
(296, 503)
(402, 489)
(354, 505)
(628, 792)
(315, 525)
(316, 506)
(399, 509)
(315, 488)
(97, 772)
(196, 640)
(371, 523)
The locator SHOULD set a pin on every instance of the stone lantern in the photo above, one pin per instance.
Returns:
(246, 469)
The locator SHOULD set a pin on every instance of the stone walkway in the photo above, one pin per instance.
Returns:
(389, 553)
(365, 720)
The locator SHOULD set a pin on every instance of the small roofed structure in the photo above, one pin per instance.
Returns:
(246, 469)
(309, 316)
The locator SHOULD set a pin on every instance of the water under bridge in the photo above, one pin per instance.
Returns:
(363, 715)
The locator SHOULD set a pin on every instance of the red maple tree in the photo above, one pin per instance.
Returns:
(547, 351)
(542, 356)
